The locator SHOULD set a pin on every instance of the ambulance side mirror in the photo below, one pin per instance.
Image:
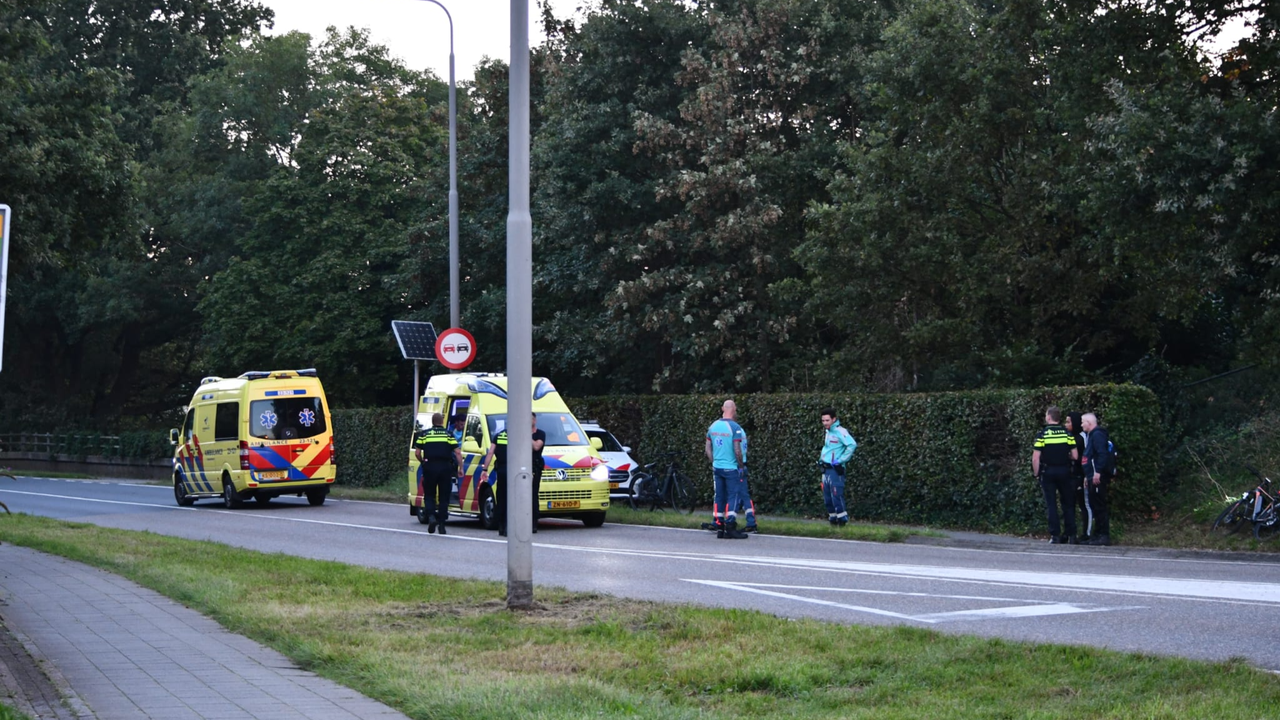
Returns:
(173, 436)
(469, 446)
(597, 443)
(626, 449)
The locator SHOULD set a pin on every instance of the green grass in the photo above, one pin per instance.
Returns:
(9, 713)
(772, 525)
(435, 647)
(44, 474)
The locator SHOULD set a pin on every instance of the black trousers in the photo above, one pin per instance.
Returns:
(1098, 503)
(1057, 483)
(499, 478)
(537, 488)
(437, 485)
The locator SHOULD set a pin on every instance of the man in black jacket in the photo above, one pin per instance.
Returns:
(1099, 468)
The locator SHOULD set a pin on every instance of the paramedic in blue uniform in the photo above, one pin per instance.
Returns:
(441, 461)
(837, 447)
(498, 454)
(724, 450)
(744, 501)
(1051, 461)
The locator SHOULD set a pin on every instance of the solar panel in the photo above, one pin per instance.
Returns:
(417, 339)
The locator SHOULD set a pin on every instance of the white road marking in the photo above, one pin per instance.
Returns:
(1036, 609)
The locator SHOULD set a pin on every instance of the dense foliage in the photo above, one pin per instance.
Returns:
(372, 445)
(957, 459)
(729, 196)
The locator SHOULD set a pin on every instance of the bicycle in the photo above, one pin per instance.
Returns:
(1257, 507)
(674, 488)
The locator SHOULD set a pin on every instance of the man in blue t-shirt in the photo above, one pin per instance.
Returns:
(724, 450)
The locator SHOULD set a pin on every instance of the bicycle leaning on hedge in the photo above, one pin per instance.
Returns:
(673, 488)
(1258, 507)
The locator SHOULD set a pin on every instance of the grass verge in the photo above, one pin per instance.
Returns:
(435, 647)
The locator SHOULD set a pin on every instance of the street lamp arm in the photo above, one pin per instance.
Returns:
(448, 15)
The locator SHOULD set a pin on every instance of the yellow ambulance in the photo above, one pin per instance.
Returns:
(575, 481)
(259, 436)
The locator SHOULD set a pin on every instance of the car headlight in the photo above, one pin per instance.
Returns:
(600, 472)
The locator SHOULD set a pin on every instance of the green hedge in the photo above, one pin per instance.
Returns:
(958, 459)
(371, 445)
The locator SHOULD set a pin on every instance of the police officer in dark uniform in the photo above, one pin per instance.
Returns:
(1055, 452)
(498, 454)
(441, 460)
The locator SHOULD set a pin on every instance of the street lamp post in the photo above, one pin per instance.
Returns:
(454, 320)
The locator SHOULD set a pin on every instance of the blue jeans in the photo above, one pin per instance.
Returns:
(730, 489)
(833, 494)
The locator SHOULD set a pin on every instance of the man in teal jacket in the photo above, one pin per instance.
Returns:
(837, 447)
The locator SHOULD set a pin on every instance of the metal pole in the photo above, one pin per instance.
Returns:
(4, 271)
(454, 320)
(416, 396)
(519, 323)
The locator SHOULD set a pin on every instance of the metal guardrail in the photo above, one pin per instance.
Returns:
(78, 444)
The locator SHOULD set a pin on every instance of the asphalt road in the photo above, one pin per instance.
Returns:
(1155, 602)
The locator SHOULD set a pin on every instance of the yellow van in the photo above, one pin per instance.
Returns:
(259, 436)
(575, 481)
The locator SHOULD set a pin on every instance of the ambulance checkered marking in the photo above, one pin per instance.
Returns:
(308, 458)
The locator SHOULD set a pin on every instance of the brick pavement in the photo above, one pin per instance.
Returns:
(126, 652)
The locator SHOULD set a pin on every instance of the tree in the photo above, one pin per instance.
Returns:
(959, 248)
(314, 280)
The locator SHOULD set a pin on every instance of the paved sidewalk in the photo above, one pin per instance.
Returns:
(123, 652)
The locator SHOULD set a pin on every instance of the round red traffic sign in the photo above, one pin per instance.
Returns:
(455, 348)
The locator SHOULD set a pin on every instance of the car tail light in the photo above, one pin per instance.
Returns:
(244, 455)
(332, 457)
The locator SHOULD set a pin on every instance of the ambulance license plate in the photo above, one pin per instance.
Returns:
(273, 475)
(564, 504)
(614, 485)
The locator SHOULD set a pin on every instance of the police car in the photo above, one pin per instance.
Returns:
(616, 455)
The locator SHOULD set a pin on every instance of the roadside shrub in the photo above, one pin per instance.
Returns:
(371, 445)
(960, 459)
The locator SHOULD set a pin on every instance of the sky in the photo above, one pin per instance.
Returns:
(417, 31)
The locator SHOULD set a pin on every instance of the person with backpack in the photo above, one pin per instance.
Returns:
(1099, 464)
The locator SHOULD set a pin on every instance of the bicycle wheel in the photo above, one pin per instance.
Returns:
(1231, 519)
(1267, 524)
(640, 485)
(681, 493)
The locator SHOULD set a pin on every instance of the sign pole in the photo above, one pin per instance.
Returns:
(519, 500)
(4, 271)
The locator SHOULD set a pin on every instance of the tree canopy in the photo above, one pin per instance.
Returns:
(728, 196)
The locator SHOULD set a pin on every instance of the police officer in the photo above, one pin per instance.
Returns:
(441, 461)
(1055, 452)
(498, 455)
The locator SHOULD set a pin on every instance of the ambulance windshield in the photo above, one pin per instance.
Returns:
(560, 427)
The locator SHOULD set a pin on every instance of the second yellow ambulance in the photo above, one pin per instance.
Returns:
(575, 483)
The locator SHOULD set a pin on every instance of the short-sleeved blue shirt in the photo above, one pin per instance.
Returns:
(722, 433)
